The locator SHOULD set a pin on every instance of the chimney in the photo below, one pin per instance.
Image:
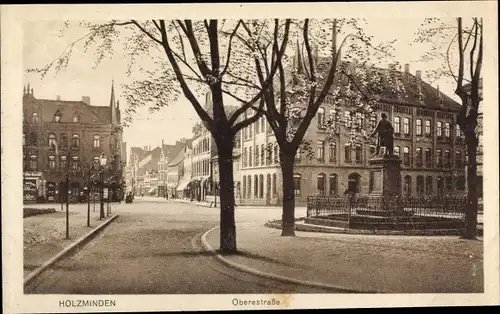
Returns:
(86, 100)
(58, 97)
(32, 93)
(418, 74)
(407, 68)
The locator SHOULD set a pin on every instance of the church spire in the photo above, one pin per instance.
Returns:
(112, 103)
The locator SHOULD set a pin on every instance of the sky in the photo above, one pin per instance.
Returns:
(43, 43)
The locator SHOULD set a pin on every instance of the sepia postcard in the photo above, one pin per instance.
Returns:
(249, 156)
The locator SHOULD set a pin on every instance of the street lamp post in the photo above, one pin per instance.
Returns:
(67, 206)
(102, 162)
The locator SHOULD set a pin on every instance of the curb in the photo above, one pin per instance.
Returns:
(272, 276)
(68, 250)
(322, 229)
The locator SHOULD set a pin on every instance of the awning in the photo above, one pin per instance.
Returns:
(182, 185)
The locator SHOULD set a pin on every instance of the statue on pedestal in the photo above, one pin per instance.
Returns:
(385, 136)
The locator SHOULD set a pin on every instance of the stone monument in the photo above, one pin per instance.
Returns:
(385, 167)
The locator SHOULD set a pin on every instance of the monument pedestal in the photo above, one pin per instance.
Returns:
(385, 182)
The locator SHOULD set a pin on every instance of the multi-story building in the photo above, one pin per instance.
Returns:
(64, 138)
(183, 189)
(143, 170)
(203, 146)
(175, 171)
(427, 139)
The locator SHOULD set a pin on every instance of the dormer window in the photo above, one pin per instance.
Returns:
(76, 118)
(57, 116)
(35, 117)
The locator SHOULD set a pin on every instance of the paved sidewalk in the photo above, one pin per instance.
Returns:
(369, 263)
(45, 235)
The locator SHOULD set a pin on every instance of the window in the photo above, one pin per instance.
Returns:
(255, 186)
(347, 153)
(428, 185)
(24, 139)
(458, 159)
(447, 158)
(244, 194)
(75, 141)
(34, 117)
(64, 140)
(52, 162)
(440, 185)
(347, 117)
(34, 139)
(63, 163)
(274, 185)
(320, 154)
(250, 157)
(439, 129)
(358, 153)
(321, 118)
(333, 184)
(396, 150)
(262, 155)
(57, 116)
(373, 121)
(33, 162)
(75, 163)
(257, 156)
(257, 127)
(406, 126)
(406, 155)
(420, 185)
(333, 152)
(249, 191)
(76, 118)
(439, 158)
(52, 140)
(449, 185)
(245, 152)
(419, 157)
(428, 157)
(397, 125)
(407, 186)
(297, 155)
(427, 127)
(321, 182)
(261, 186)
(458, 132)
(447, 129)
(296, 183)
(419, 126)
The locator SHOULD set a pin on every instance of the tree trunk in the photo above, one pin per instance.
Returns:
(288, 216)
(471, 208)
(227, 220)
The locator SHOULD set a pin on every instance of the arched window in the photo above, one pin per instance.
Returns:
(333, 184)
(353, 182)
(97, 141)
(34, 117)
(447, 129)
(321, 183)
(439, 128)
(347, 152)
(274, 189)
(261, 186)
(57, 116)
(419, 126)
(358, 151)
(420, 185)
(419, 157)
(439, 158)
(428, 185)
(406, 155)
(396, 150)
(33, 139)
(52, 162)
(75, 163)
(63, 163)
(320, 154)
(406, 126)
(428, 157)
(33, 162)
(427, 127)
(407, 186)
(64, 140)
(255, 186)
(458, 132)
(75, 141)
(52, 140)
(397, 125)
(296, 183)
(333, 152)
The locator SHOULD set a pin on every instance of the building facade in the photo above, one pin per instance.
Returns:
(65, 138)
(427, 139)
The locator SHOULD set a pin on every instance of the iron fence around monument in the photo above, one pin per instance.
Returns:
(387, 208)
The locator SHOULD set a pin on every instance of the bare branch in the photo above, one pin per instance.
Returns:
(146, 32)
(229, 48)
(240, 125)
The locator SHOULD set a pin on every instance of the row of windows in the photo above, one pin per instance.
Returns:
(203, 146)
(257, 189)
(272, 154)
(260, 127)
(442, 159)
(31, 163)
(56, 118)
(63, 142)
(201, 168)
(425, 185)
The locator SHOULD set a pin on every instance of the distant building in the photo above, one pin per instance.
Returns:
(62, 138)
(142, 170)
